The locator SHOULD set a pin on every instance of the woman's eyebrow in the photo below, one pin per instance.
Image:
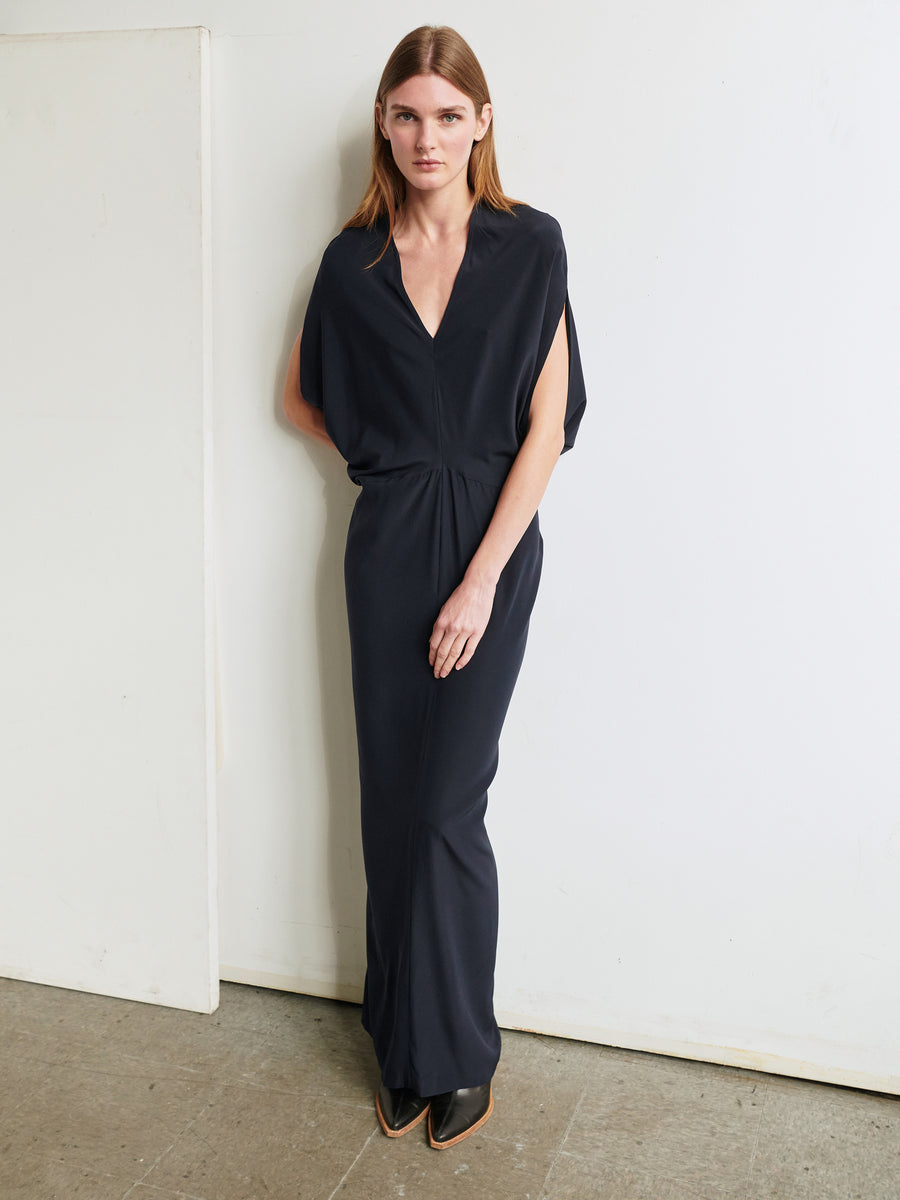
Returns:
(409, 108)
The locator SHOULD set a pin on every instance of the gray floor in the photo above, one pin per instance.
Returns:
(271, 1099)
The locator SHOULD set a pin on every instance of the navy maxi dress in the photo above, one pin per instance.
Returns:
(429, 427)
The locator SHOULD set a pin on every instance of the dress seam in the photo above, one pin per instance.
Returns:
(397, 476)
(474, 479)
(401, 476)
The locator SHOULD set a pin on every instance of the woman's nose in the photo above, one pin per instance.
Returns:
(426, 135)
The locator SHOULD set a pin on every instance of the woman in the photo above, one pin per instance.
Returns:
(438, 356)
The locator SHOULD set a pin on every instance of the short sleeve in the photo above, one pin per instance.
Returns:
(557, 302)
(312, 348)
(577, 398)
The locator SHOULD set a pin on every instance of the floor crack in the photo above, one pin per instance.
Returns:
(353, 1164)
(559, 1149)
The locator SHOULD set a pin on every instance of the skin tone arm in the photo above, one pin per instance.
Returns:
(463, 618)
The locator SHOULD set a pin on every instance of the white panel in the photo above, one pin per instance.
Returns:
(106, 710)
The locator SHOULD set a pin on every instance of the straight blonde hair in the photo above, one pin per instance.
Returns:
(429, 50)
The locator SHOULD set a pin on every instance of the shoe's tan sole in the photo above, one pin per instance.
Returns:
(406, 1128)
(465, 1133)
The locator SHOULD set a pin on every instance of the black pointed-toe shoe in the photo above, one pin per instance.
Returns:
(399, 1109)
(454, 1115)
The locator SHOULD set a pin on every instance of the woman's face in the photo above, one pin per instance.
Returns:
(431, 126)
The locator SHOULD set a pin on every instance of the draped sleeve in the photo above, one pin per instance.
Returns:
(312, 345)
(556, 303)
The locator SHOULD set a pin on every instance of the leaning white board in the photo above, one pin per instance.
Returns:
(107, 708)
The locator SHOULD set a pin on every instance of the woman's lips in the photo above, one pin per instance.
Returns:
(427, 164)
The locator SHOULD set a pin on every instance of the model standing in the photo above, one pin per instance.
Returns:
(439, 357)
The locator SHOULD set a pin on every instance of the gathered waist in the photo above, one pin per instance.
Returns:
(417, 474)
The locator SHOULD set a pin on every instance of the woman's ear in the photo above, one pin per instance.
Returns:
(380, 121)
(483, 121)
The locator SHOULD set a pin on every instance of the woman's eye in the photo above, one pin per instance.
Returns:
(449, 118)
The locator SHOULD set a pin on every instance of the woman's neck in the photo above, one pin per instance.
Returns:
(435, 215)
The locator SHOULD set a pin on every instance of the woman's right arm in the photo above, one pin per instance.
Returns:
(302, 415)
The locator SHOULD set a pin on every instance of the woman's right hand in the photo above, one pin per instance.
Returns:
(460, 626)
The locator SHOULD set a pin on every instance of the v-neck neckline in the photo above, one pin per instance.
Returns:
(398, 262)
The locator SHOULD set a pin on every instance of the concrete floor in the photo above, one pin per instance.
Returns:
(271, 1098)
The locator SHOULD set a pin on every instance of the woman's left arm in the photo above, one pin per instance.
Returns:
(464, 617)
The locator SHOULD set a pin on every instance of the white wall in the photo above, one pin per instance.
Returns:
(106, 621)
(695, 815)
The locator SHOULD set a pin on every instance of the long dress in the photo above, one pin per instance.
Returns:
(429, 427)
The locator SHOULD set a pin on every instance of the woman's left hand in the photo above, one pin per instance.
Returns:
(460, 626)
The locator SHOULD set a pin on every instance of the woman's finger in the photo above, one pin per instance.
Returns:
(443, 655)
(448, 651)
(466, 655)
(436, 649)
(456, 648)
(443, 635)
